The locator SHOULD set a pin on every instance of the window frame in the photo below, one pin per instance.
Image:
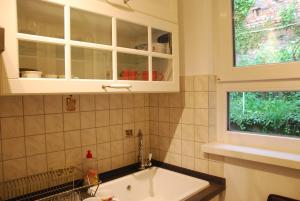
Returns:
(224, 58)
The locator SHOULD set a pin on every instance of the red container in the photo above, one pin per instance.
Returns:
(156, 76)
(127, 74)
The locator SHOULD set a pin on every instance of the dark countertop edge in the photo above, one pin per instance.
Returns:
(217, 184)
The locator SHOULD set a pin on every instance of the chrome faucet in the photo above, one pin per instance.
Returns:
(141, 159)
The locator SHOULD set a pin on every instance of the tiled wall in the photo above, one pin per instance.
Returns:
(38, 134)
(180, 123)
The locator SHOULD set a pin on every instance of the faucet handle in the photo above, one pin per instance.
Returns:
(150, 157)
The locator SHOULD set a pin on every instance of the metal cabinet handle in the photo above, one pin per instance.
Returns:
(117, 86)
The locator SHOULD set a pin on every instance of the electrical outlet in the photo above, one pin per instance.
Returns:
(129, 132)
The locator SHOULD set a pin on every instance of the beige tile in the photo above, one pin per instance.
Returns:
(175, 146)
(153, 129)
(1, 172)
(188, 148)
(201, 117)
(146, 113)
(201, 134)
(14, 169)
(163, 100)
(187, 116)
(72, 139)
(103, 134)
(88, 119)
(212, 117)
(201, 100)
(188, 132)
(212, 135)
(115, 101)
(164, 143)
(164, 114)
(127, 100)
(201, 83)
(216, 169)
(11, 106)
(73, 157)
(12, 127)
(164, 129)
(103, 150)
(1, 157)
(139, 100)
(188, 162)
(104, 165)
(13, 148)
(129, 145)
(175, 131)
(117, 162)
(212, 99)
(53, 104)
(88, 137)
(54, 123)
(153, 113)
(128, 115)
(73, 97)
(55, 142)
(139, 114)
(198, 151)
(35, 145)
(212, 83)
(34, 125)
(36, 164)
(188, 83)
(175, 100)
(115, 117)
(33, 105)
(164, 156)
(116, 132)
(56, 160)
(129, 158)
(147, 100)
(102, 118)
(216, 158)
(175, 115)
(201, 165)
(102, 102)
(87, 103)
(117, 148)
(175, 159)
(140, 126)
(153, 100)
(188, 99)
(71, 121)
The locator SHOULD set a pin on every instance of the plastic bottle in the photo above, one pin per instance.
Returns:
(90, 176)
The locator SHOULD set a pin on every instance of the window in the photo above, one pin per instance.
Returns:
(272, 113)
(266, 32)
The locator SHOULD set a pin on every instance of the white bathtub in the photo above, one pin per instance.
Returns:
(154, 184)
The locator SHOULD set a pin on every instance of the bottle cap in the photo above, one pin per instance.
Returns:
(89, 154)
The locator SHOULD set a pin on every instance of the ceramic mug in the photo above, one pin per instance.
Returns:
(127, 74)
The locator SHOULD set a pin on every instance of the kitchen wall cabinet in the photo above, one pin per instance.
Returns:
(86, 46)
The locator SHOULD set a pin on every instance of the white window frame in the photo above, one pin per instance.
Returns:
(271, 77)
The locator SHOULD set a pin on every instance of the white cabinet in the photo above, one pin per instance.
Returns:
(85, 46)
(164, 9)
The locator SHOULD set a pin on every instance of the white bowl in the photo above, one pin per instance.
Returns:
(31, 74)
(50, 76)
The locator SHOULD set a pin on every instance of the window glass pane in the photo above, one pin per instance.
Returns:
(162, 69)
(90, 27)
(41, 60)
(265, 112)
(91, 63)
(131, 35)
(40, 18)
(161, 41)
(266, 32)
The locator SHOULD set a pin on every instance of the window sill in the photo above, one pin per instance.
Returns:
(278, 158)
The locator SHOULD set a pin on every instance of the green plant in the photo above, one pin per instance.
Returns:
(288, 14)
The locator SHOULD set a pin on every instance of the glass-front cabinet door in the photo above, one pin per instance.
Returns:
(90, 45)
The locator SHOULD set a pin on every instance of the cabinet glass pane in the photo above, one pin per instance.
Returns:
(41, 60)
(131, 35)
(40, 18)
(161, 41)
(132, 67)
(90, 27)
(91, 63)
(162, 69)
